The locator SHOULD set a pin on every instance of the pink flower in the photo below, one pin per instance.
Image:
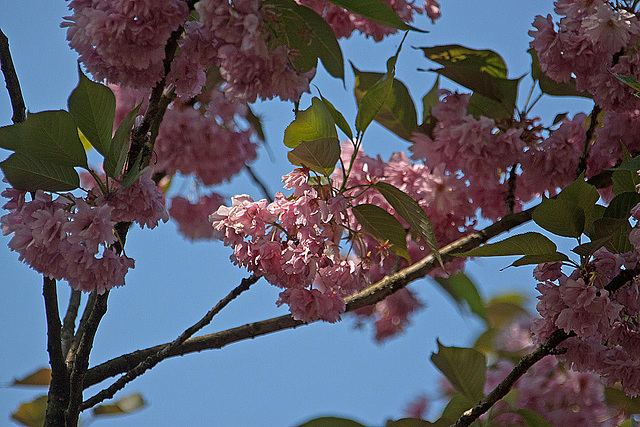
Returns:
(193, 218)
(311, 305)
(610, 30)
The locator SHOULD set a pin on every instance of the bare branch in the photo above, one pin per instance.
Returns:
(59, 387)
(582, 163)
(156, 358)
(371, 295)
(69, 323)
(11, 80)
(259, 182)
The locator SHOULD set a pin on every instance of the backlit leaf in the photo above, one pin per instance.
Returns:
(25, 172)
(463, 291)
(31, 414)
(320, 155)
(383, 226)
(311, 124)
(125, 405)
(465, 368)
(41, 377)
(338, 118)
(486, 61)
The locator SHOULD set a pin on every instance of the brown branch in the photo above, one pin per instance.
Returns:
(510, 200)
(11, 80)
(156, 358)
(371, 295)
(69, 323)
(59, 386)
(80, 363)
(593, 122)
(259, 183)
(501, 390)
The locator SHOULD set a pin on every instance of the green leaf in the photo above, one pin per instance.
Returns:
(410, 211)
(462, 290)
(410, 422)
(625, 177)
(29, 173)
(431, 99)
(313, 123)
(550, 86)
(377, 11)
(560, 217)
(619, 399)
(338, 118)
(539, 259)
(119, 147)
(320, 155)
(31, 414)
(504, 309)
(465, 368)
(256, 122)
(629, 81)
(41, 377)
(398, 113)
(11, 136)
(93, 106)
(126, 405)
(305, 31)
(133, 173)
(455, 408)
(331, 422)
(621, 205)
(532, 418)
(383, 226)
(486, 61)
(586, 249)
(617, 229)
(480, 105)
(373, 100)
(52, 137)
(530, 243)
(485, 343)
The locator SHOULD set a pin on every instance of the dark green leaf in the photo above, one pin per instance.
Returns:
(313, 123)
(455, 408)
(93, 106)
(398, 112)
(331, 422)
(126, 405)
(625, 177)
(521, 244)
(532, 418)
(11, 136)
(617, 229)
(482, 106)
(465, 368)
(630, 81)
(619, 399)
(486, 61)
(410, 422)
(25, 172)
(375, 10)
(621, 205)
(430, 99)
(338, 118)
(551, 87)
(587, 249)
(133, 172)
(320, 155)
(31, 414)
(52, 136)
(410, 211)
(559, 117)
(584, 195)
(383, 226)
(256, 122)
(117, 154)
(462, 290)
(560, 217)
(539, 259)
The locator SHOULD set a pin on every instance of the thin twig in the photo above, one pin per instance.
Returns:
(80, 364)
(371, 295)
(71, 353)
(582, 163)
(510, 200)
(259, 182)
(11, 80)
(156, 358)
(59, 386)
(69, 323)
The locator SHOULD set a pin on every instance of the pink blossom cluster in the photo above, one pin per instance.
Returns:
(344, 23)
(594, 40)
(605, 323)
(444, 198)
(294, 244)
(123, 40)
(64, 238)
(484, 153)
(192, 218)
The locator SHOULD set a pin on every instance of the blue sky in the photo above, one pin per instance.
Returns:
(290, 376)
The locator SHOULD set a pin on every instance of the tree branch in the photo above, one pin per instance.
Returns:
(80, 363)
(59, 386)
(69, 323)
(371, 295)
(156, 358)
(259, 183)
(582, 162)
(11, 80)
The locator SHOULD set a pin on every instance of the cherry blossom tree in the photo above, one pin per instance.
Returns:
(170, 96)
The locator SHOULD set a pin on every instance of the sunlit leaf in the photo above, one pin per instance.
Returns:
(373, 100)
(126, 405)
(465, 368)
(25, 172)
(31, 414)
(410, 211)
(383, 226)
(41, 377)
(463, 291)
(486, 61)
(338, 118)
(320, 155)
(93, 107)
(311, 124)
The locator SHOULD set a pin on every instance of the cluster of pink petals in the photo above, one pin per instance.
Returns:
(123, 40)
(607, 337)
(64, 238)
(594, 40)
(618, 128)
(192, 218)
(392, 315)
(344, 23)
(294, 243)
